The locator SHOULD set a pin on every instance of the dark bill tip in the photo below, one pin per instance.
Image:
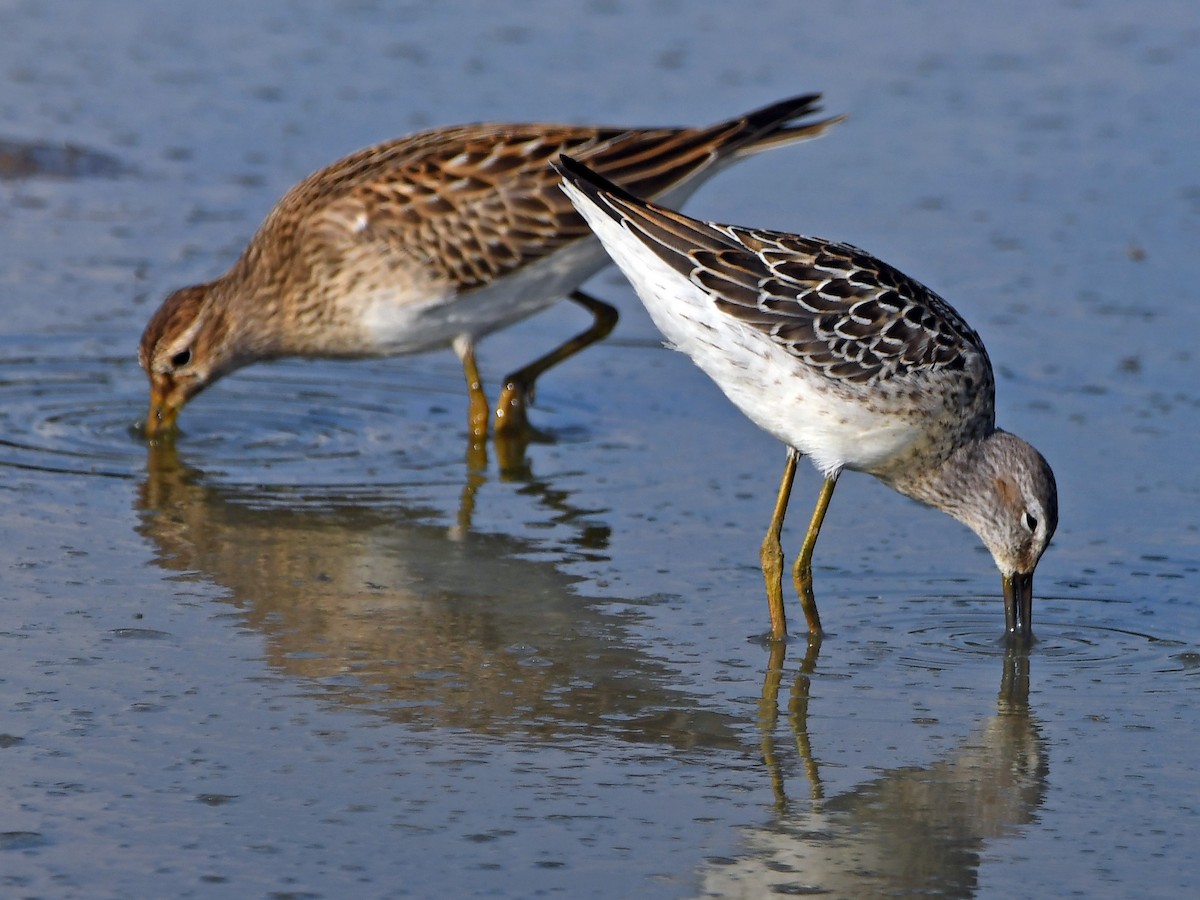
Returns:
(1018, 606)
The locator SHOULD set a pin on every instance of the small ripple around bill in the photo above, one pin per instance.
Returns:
(1066, 635)
(68, 405)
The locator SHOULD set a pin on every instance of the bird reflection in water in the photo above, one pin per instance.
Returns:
(912, 830)
(382, 609)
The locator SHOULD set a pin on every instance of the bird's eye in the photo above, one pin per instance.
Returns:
(182, 358)
(1030, 521)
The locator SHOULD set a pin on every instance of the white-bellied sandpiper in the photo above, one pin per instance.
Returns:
(845, 360)
(433, 240)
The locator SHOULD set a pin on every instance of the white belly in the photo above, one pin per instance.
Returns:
(410, 321)
(416, 317)
(796, 404)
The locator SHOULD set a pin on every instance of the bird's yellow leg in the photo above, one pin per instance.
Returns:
(518, 390)
(477, 411)
(802, 569)
(772, 551)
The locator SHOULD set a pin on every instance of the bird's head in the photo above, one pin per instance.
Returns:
(186, 347)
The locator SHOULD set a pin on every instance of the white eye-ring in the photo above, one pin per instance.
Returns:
(1030, 521)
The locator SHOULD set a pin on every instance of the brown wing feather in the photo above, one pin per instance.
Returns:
(835, 306)
(474, 202)
(831, 304)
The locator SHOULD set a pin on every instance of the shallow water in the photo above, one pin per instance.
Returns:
(312, 651)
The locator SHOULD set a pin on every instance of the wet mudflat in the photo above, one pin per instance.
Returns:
(310, 651)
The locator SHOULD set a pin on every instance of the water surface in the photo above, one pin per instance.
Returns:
(317, 649)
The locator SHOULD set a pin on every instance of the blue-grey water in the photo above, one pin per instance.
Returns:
(309, 652)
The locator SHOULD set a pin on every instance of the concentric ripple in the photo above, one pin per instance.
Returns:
(62, 408)
(1066, 633)
(69, 405)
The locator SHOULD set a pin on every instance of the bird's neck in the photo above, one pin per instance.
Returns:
(955, 484)
(251, 313)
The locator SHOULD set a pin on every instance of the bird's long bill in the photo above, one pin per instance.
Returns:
(160, 420)
(1018, 605)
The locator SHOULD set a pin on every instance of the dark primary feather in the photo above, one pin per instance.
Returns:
(831, 304)
(472, 203)
(834, 305)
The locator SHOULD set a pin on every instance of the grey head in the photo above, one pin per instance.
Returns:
(1003, 489)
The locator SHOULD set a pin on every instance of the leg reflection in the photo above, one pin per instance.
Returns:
(768, 718)
(908, 830)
